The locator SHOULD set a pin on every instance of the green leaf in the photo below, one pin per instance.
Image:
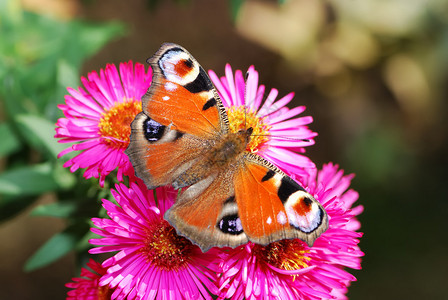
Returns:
(41, 56)
(282, 1)
(40, 133)
(67, 75)
(92, 37)
(63, 177)
(235, 6)
(29, 180)
(63, 209)
(10, 142)
(57, 246)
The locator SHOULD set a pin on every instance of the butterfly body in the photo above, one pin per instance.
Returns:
(229, 195)
(229, 147)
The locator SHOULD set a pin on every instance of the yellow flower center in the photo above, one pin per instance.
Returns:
(285, 254)
(164, 248)
(115, 124)
(240, 117)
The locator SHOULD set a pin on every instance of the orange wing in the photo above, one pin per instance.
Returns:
(160, 154)
(182, 95)
(272, 206)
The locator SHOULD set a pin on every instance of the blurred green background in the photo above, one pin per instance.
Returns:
(372, 73)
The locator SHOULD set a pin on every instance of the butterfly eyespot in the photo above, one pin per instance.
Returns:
(153, 130)
(308, 224)
(230, 224)
(303, 213)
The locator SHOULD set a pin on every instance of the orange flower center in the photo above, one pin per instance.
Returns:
(115, 123)
(240, 117)
(165, 249)
(285, 254)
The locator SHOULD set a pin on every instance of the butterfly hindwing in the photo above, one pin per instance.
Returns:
(272, 206)
(207, 213)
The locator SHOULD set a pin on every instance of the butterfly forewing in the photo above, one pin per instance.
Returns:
(182, 95)
(182, 117)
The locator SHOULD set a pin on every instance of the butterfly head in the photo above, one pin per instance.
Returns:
(245, 134)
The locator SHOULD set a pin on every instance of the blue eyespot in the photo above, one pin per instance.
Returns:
(231, 224)
(153, 131)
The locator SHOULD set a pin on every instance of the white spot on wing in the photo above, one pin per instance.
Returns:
(281, 218)
(166, 98)
(170, 86)
(239, 226)
(269, 220)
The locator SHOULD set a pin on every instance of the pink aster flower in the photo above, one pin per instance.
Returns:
(279, 134)
(87, 286)
(289, 269)
(152, 262)
(98, 117)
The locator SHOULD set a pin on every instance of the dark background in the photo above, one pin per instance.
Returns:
(373, 74)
